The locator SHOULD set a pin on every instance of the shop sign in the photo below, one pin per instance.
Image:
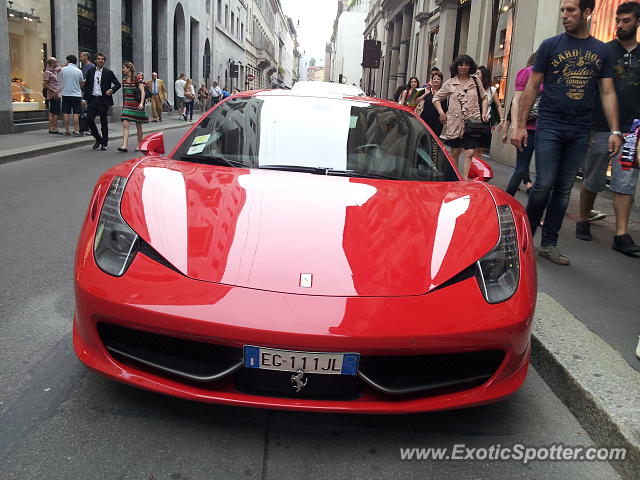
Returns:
(88, 14)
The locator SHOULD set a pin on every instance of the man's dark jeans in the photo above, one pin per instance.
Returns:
(559, 155)
(523, 160)
(96, 107)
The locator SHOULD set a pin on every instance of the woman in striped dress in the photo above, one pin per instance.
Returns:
(133, 104)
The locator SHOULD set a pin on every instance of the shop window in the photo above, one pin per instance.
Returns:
(603, 20)
(502, 54)
(29, 25)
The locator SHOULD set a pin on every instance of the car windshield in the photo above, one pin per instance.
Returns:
(327, 136)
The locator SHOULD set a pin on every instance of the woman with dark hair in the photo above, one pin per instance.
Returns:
(523, 158)
(429, 113)
(133, 104)
(411, 97)
(466, 101)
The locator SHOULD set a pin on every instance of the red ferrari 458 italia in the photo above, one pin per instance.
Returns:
(306, 251)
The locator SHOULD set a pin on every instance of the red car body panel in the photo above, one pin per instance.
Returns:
(396, 241)
(263, 228)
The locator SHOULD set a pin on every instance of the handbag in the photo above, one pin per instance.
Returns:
(533, 113)
(420, 108)
(475, 127)
(166, 107)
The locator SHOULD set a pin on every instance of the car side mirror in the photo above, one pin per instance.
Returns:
(480, 170)
(153, 144)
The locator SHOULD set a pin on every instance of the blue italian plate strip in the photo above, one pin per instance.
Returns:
(350, 363)
(251, 356)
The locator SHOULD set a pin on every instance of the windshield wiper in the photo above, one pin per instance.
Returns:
(327, 171)
(214, 160)
(357, 174)
(297, 168)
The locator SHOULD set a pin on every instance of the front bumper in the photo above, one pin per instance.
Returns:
(455, 319)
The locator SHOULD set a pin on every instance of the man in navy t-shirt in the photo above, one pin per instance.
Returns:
(573, 66)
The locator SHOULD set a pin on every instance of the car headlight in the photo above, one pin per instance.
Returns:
(498, 271)
(116, 243)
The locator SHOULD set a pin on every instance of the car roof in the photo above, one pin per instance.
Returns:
(318, 93)
(329, 87)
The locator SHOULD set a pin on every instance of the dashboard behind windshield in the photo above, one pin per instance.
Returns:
(323, 133)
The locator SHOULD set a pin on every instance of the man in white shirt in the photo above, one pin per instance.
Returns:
(179, 90)
(214, 93)
(72, 83)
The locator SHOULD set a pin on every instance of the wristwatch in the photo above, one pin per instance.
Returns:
(618, 133)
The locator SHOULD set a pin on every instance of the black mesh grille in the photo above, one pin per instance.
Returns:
(278, 384)
(429, 372)
(393, 377)
(197, 359)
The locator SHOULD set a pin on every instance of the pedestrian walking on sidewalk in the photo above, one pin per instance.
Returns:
(158, 96)
(523, 157)
(85, 66)
(85, 62)
(189, 99)
(429, 113)
(412, 95)
(467, 100)
(178, 88)
(72, 82)
(203, 98)
(625, 51)
(573, 66)
(99, 87)
(51, 83)
(215, 91)
(133, 99)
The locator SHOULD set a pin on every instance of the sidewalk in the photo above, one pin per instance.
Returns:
(586, 328)
(40, 142)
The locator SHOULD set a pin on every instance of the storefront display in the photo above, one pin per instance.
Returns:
(29, 46)
(603, 20)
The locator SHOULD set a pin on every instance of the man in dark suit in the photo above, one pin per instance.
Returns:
(100, 85)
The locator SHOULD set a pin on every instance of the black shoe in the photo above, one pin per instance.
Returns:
(120, 149)
(583, 231)
(97, 144)
(103, 147)
(625, 244)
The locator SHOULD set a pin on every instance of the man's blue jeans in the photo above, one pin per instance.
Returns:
(559, 155)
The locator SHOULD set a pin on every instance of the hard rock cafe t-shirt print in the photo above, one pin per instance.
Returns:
(572, 68)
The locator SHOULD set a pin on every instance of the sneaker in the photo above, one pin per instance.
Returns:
(552, 253)
(583, 231)
(595, 215)
(97, 144)
(103, 147)
(625, 244)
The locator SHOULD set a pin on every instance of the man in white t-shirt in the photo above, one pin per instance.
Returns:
(179, 90)
(72, 81)
(214, 93)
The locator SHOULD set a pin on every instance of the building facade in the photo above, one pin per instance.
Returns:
(238, 43)
(343, 54)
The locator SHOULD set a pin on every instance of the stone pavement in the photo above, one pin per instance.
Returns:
(40, 142)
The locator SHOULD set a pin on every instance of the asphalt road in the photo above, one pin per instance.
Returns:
(60, 421)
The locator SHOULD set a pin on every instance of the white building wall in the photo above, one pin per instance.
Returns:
(348, 47)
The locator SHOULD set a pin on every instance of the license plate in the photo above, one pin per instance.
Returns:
(310, 362)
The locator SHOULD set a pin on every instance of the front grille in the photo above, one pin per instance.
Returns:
(197, 361)
(397, 375)
(278, 384)
(392, 377)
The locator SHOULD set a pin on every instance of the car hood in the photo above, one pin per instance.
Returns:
(309, 234)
